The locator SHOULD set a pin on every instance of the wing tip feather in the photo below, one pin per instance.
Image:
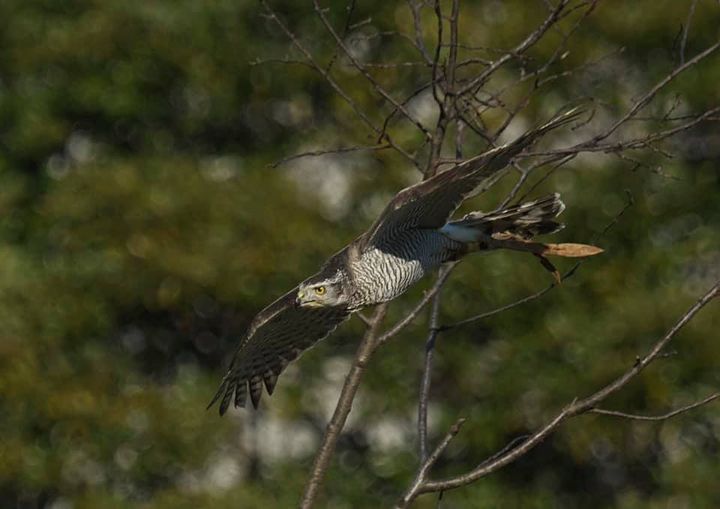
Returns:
(234, 391)
(256, 388)
(277, 336)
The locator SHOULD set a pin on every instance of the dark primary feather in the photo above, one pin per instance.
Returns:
(277, 335)
(430, 203)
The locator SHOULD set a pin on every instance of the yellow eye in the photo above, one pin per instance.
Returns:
(320, 290)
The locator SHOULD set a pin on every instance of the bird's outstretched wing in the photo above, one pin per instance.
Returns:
(430, 203)
(276, 336)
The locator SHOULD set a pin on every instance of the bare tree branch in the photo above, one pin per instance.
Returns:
(335, 86)
(647, 98)
(408, 319)
(415, 8)
(319, 153)
(506, 307)
(575, 408)
(528, 42)
(440, 97)
(342, 410)
(430, 460)
(371, 340)
(632, 144)
(350, 10)
(661, 417)
(686, 30)
(378, 88)
(426, 377)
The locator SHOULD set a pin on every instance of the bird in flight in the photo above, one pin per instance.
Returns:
(412, 236)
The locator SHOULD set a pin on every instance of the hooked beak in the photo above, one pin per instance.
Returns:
(302, 301)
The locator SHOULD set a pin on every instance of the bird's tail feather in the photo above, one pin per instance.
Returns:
(525, 221)
(514, 227)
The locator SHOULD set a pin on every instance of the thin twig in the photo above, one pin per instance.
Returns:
(319, 153)
(686, 30)
(378, 88)
(415, 93)
(501, 309)
(635, 143)
(428, 463)
(559, 161)
(350, 10)
(329, 79)
(528, 42)
(417, 24)
(524, 175)
(440, 97)
(661, 417)
(645, 99)
(415, 311)
(364, 319)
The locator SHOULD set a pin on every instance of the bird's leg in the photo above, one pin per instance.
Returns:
(466, 248)
(542, 250)
(566, 250)
(547, 264)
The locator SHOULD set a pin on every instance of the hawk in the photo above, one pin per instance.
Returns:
(412, 236)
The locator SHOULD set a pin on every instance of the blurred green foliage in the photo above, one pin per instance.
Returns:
(141, 228)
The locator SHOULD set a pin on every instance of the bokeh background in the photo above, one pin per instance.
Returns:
(142, 227)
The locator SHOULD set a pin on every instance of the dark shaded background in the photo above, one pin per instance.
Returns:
(141, 228)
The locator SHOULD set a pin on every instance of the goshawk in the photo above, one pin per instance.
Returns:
(412, 236)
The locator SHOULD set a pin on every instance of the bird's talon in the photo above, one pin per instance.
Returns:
(557, 277)
(547, 264)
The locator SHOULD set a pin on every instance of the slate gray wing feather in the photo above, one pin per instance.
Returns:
(276, 336)
(430, 203)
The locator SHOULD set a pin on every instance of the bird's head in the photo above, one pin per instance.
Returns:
(325, 293)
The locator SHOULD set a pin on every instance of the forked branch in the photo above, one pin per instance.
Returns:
(575, 408)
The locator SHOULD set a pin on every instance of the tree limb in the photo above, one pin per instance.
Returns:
(342, 410)
(576, 407)
(427, 376)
